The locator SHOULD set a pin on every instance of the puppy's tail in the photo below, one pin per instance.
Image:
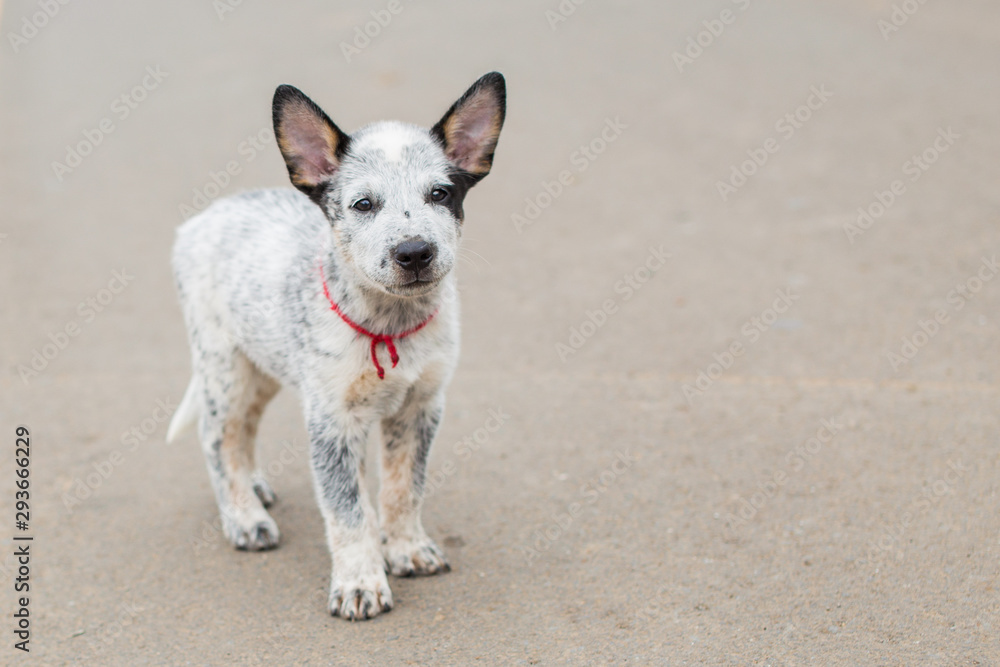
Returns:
(187, 413)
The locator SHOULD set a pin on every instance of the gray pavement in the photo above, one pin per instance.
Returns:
(776, 445)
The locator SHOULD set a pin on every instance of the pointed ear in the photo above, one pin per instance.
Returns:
(470, 129)
(309, 141)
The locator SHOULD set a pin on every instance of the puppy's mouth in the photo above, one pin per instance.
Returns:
(413, 287)
(416, 280)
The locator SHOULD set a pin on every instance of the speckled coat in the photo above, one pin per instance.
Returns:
(250, 273)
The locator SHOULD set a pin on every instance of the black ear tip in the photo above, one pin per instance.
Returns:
(285, 92)
(494, 80)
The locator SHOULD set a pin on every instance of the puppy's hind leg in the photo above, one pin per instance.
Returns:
(235, 392)
(266, 388)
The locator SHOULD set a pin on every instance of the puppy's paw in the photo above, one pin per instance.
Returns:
(263, 490)
(360, 599)
(256, 532)
(409, 557)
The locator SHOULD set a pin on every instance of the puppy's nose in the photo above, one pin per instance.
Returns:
(413, 255)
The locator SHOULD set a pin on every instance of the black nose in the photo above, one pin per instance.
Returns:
(413, 255)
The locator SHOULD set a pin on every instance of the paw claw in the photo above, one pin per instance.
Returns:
(258, 536)
(408, 558)
(360, 604)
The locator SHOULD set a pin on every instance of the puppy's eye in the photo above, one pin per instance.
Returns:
(439, 194)
(362, 205)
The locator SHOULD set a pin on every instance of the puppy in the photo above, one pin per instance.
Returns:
(353, 274)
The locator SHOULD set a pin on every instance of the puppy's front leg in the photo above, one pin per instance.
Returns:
(358, 587)
(407, 438)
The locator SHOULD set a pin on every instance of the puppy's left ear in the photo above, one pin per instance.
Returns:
(470, 129)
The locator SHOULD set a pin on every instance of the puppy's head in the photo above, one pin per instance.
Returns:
(393, 192)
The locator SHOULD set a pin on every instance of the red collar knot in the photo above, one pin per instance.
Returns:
(376, 338)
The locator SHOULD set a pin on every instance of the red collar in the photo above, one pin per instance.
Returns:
(376, 338)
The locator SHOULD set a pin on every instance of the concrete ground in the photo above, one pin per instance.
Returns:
(776, 446)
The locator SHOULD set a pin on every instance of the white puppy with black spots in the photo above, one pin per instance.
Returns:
(354, 269)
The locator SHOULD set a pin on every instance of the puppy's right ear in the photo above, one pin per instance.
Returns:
(309, 141)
